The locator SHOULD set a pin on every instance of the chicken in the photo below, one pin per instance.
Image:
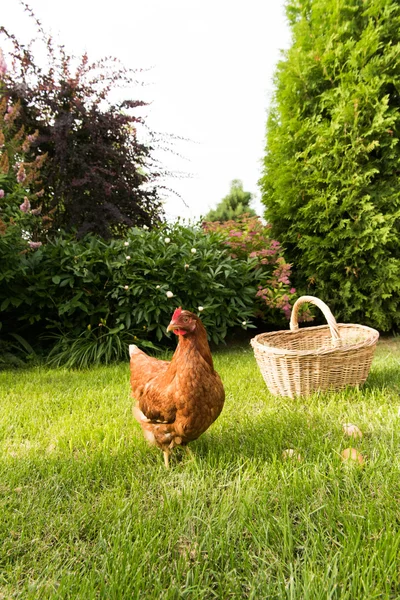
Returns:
(177, 400)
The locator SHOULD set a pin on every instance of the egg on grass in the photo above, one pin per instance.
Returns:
(352, 430)
(352, 456)
(290, 454)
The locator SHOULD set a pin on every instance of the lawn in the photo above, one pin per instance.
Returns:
(87, 509)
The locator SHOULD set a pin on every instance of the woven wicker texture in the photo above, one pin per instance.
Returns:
(301, 361)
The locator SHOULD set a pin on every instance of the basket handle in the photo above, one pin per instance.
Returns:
(333, 326)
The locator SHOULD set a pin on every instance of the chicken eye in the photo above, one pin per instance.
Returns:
(185, 319)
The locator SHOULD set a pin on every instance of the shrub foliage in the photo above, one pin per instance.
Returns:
(233, 206)
(246, 238)
(99, 176)
(88, 299)
(331, 169)
(20, 183)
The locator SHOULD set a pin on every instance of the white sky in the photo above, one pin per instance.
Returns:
(210, 80)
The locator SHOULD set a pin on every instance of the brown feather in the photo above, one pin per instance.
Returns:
(177, 401)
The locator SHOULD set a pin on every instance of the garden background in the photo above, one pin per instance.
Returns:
(90, 264)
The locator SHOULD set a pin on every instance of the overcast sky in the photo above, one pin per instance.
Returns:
(210, 73)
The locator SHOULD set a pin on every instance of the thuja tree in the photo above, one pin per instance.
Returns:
(98, 177)
(331, 169)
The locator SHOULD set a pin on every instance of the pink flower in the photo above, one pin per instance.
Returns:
(21, 175)
(2, 193)
(35, 245)
(30, 139)
(292, 290)
(25, 206)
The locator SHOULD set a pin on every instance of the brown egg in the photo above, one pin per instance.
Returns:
(289, 453)
(351, 454)
(352, 430)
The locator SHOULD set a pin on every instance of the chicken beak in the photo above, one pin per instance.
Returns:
(171, 326)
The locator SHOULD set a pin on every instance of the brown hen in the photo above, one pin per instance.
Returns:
(177, 401)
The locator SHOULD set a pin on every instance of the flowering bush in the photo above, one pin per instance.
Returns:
(20, 185)
(99, 175)
(20, 222)
(86, 300)
(248, 237)
(94, 297)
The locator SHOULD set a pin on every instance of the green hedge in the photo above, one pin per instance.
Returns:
(331, 168)
(88, 299)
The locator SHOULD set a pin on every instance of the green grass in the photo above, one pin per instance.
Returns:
(87, 509)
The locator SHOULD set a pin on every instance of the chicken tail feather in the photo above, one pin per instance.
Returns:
(132, 349)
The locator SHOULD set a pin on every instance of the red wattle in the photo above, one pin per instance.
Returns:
(179, 331)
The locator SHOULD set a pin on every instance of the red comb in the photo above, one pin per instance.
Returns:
(177, 314)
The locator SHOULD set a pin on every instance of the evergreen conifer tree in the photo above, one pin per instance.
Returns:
(232, 206)
(331, 170)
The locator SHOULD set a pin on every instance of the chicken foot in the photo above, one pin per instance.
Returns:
(167, 454)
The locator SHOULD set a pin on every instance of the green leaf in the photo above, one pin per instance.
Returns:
(5, 303)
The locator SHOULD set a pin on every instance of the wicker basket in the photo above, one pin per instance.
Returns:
(299, 362)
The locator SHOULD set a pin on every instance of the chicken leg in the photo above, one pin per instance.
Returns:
(166, 458)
